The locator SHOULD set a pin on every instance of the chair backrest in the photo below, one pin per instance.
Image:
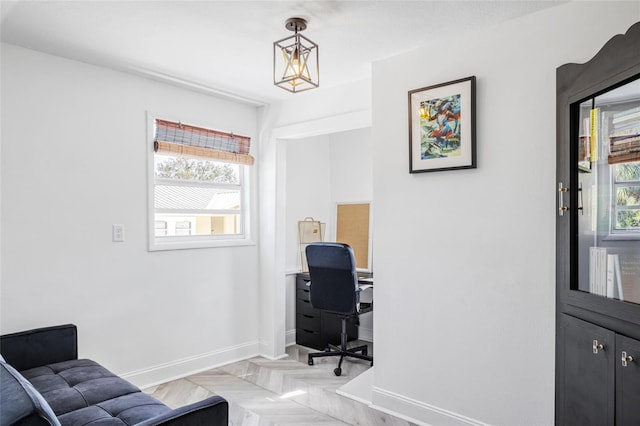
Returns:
(334, 281)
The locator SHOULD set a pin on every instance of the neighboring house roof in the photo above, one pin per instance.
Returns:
(195, 198)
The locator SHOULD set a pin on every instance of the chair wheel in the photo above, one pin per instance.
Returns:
(337, 371)
(310, 361)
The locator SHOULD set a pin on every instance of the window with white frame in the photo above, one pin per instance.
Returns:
(626, 198)
(199, 195)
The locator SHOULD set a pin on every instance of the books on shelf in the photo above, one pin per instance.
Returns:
(632, 128)
(604, 273)
(593, 133)
(614, 277)
(626, 157)
(584, 148)
(624, 140)
(598, 271)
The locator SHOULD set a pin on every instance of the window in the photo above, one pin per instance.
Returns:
(183, 227)
(161, 228)
(626, 198)
(199, 193)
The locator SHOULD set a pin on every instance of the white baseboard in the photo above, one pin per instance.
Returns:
(290, 338)
(417, 411)
(365, 334)
(173, 370)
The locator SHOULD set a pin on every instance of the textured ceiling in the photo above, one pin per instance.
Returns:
(227, 46)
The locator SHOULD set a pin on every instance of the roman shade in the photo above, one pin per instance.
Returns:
(179, 139)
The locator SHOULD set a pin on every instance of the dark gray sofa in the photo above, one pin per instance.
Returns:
(42, 382)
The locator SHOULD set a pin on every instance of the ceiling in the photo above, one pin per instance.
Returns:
(226, 47)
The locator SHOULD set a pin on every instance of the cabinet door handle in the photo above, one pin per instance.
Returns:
(580, 206)
(561, 207)
(597, 347)
(625, 358)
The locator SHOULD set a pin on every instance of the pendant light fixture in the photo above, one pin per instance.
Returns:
(295, 59)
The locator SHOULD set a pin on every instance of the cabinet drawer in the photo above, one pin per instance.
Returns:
(302, 283)
(304, 307)
(302, 294)
(309, 322)
(309, 338)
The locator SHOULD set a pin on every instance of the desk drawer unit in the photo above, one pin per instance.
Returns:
(308, 331)
(304, 307)
(314, 328)
(308, 319)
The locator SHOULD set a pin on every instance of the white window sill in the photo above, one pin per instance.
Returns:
(179, 244)
(632, 235)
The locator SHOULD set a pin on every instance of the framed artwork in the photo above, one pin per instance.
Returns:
(442, 126)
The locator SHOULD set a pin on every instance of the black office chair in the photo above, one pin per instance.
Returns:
(334, 288)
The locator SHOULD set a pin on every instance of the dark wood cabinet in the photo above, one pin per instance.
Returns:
(314, 328)
(599, 375)
(598, 237)
(586, 373)
(628, 381)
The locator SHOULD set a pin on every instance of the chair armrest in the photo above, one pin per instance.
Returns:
(213, 411)
(363, 307)
(40, 346)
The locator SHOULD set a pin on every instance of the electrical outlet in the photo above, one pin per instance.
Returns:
(117, 233)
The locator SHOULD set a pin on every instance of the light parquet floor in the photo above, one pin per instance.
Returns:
(284, 392)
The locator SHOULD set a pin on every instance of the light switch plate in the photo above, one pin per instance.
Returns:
(117, 233)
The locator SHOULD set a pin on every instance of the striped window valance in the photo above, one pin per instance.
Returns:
(197, 142)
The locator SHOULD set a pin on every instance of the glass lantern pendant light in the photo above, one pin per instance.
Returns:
(295, 60)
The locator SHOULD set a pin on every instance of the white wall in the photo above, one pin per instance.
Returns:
(320, 172)
(351, 167)
(314, 113)
(308, 190)
(469, 254)
(74, 162)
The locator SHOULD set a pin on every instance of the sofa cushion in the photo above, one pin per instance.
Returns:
(125, 410)
(20, 403)
(82, 391)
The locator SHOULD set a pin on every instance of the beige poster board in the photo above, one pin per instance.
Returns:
(309, 231)
(353, 228)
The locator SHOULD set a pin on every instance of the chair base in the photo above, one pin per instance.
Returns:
(342, 351)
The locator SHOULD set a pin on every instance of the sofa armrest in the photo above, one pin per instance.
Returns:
(40, 346)
(213, 411)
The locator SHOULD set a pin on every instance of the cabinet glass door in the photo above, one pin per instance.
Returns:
(606, 131)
